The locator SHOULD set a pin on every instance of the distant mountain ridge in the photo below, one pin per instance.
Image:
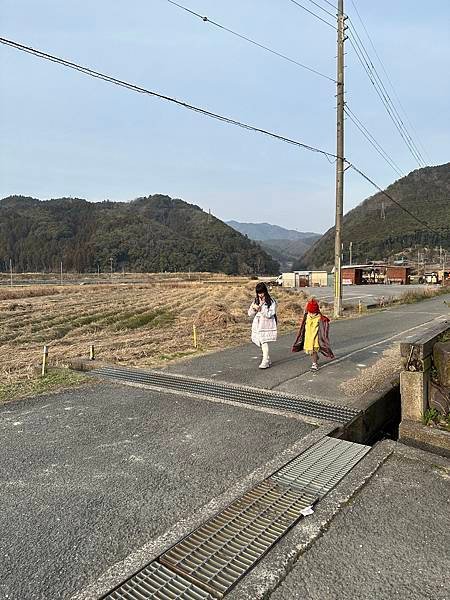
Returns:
(154, 233)
(266, 231)
(378, 228)
(286, 246)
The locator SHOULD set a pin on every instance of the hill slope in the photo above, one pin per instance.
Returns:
(284, 245)
(378, 228)
(266, 231)
(156, 233)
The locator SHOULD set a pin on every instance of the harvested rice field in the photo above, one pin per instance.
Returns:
(146, 322)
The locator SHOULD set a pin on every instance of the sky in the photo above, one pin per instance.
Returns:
(65, 134)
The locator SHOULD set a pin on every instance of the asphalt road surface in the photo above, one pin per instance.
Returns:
(92, 474)
(366, 294)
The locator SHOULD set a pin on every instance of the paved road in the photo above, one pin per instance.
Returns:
(366, 294)
(355, 342)
(91, 475)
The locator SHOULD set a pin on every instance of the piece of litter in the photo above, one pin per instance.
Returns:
(305, 512)
(360, 365)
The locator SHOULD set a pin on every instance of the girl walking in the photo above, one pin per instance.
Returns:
(264, 326)
(313, 334)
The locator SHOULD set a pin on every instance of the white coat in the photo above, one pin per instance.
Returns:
(264, 326)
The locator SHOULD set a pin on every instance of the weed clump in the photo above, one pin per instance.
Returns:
(215, 314)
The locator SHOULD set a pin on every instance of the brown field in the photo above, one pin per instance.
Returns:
(147, 322)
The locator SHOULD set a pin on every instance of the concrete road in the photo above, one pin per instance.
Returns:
(390, 541)
(91, 475)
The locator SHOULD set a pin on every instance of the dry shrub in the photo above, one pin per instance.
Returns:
(28, 292)
(215, 314)
(290, 311)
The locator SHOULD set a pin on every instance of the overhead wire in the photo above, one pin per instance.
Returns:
(136, 88)
(371, 71)
(383, 99)
(387, 96)
(371, 139)
(142, 90)
(387, 76)
(367, 178)
(251, 41)
(321, 8)
(312, 13)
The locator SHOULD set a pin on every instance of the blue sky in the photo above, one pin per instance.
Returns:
(65, 134)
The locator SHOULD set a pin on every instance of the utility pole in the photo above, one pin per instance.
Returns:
(11, 272)
(350, 252)
(339, 160)
(61, 273)
(111, 270)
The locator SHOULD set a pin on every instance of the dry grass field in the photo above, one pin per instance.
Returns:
(146, 323)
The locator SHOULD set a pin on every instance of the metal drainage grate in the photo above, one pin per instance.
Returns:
(225, 391)
(322, 466)
(209, 561)
(157, 581)
(219, 552)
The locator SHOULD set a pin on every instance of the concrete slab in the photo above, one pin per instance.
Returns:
(91, 475)
(390, 541)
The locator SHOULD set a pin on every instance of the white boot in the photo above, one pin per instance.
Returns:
(265, 363)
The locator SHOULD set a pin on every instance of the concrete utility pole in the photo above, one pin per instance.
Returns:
(350, 246)
(339, 160)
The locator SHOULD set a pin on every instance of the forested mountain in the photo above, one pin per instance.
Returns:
(284, 245)
(156, 233)
(266, 231)
(378, 228)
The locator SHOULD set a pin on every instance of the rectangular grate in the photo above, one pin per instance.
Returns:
(234, 393)
(322, 466)
(209, 561)
(157, 581)
(219, 552)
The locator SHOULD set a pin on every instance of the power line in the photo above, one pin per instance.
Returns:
(324, 9)
(366, 133)
(367, 178)
(330, 4)
(247, 39)
(383, 98)
(313, 13)
(387, 76)
(136, 88)
(387, 96)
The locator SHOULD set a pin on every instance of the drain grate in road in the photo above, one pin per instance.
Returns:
(211, 560)
(322, 466)
(156, 581)
(234, 393)
(219, 552)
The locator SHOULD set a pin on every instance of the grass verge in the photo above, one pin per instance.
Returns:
(55, 380)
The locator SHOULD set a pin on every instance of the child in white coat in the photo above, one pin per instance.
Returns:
(264, 327)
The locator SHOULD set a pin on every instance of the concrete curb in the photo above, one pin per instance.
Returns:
(421, 436)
